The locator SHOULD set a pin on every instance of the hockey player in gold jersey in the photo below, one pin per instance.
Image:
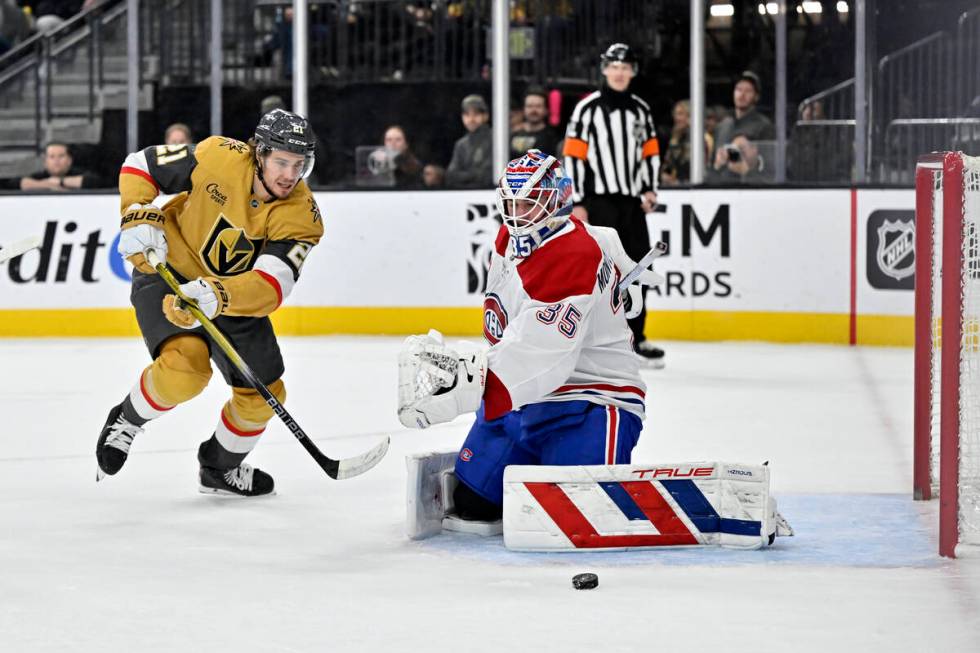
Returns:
(236, 235)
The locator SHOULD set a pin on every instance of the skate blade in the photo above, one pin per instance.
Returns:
(650, 363)
(203, 489)
(99, 474)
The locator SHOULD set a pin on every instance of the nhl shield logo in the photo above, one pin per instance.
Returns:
(896, 249)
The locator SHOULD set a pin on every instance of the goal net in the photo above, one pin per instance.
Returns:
(947, 345)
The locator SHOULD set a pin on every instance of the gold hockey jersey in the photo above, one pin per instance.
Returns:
(216, 227)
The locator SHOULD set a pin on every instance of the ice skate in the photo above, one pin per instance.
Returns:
(243, 481)
(114, 442)
(650, 355)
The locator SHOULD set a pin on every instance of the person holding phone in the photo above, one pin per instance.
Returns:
(736, 156)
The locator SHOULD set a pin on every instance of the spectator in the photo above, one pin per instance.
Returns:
(743, 163)
(406, 166)
(433, 176)
(58, 173)
(712, 116)
(534, 132)
(14, 25)
(178, 134)
(472, 162)
(747, 121)
(271, 102)
(676, 167)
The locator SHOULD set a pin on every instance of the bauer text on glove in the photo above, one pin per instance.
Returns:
(142, 229)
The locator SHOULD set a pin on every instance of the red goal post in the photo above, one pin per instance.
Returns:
(947, 345)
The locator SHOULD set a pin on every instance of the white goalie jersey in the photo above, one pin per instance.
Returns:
(555, 322)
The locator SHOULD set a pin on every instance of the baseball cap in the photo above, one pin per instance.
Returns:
(751, 78)
(474, 103)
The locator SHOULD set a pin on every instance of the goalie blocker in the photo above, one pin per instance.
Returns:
(607, 507)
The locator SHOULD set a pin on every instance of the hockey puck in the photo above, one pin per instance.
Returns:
(585, 581)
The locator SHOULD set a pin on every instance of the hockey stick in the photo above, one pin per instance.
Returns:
(337, 469)
(658, 250)
(15, 249)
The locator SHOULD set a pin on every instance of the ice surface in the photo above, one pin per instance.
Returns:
(142, 562)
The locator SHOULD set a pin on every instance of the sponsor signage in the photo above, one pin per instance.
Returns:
(730, 250)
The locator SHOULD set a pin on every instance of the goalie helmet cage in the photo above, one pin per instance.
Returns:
(947, 345)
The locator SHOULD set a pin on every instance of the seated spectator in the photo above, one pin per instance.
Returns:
(178, 134)
(433, 176)
(712, 116)
(534, 132)
(406, 166)
(58, 173)
(472, 162)
(747, 121)
(676, 166)
(14, 25)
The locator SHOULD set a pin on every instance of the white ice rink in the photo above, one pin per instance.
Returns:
(142, 562)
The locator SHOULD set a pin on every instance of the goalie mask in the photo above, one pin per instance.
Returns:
(289, 132)
(534, 198)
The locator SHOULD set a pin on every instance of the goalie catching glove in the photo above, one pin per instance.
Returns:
(142, 229)
(207, 292)
(436, 383)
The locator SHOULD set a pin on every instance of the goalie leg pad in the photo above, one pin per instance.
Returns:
(432, 489)
(428, 500)
(618, 507)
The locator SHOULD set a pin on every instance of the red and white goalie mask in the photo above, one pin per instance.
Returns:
(534, 198)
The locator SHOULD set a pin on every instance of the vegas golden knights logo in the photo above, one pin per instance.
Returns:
(228, 250)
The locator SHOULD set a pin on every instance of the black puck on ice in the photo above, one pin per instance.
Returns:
(585, 581)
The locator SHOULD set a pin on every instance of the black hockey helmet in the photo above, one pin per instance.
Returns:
(287, 131)
(622, 53)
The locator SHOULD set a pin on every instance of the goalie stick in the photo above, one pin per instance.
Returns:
(15, 249)
(658, 250)
(336, 469)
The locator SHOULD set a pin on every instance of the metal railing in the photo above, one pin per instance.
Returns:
(967, 78)
(821, 151)
(59, 73)
(907, 138)
(835, 103)
(916, 81)
(377, 40)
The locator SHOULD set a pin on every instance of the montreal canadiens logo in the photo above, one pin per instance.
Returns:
(494, 319)
(466, 455)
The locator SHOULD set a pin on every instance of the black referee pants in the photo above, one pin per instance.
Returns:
(624, 214)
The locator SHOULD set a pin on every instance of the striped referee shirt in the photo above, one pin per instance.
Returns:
(611, 146)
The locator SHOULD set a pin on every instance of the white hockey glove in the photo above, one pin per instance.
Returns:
(142, 229)
(436, 383)
(209, 295)
(633, 300)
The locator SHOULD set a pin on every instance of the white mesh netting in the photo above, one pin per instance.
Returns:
(969, 399)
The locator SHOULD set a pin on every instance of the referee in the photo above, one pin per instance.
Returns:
(612, 155)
